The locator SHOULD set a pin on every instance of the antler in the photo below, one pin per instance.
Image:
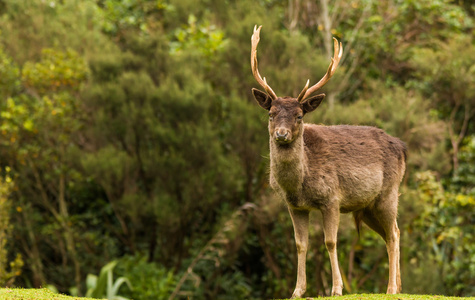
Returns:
(338, 52)
(255, 40)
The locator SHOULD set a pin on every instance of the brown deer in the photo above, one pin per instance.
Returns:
(334, 169)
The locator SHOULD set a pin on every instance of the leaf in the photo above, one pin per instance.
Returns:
(91, 282)
(118, 283)
(28, 125)
(101, 286)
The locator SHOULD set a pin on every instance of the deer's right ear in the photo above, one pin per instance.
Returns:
(262, 98)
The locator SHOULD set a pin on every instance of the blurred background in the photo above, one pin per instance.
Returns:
(130, 144)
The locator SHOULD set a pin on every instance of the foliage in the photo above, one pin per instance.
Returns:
(8, 270)
(198, 36)
(131, 135)
(464, 180)
(447, 73)
(9, 75)
(446, 222)
(116, 16)
(104, 286)
(37, 124)
(149, 280)
(55, 71)
(215, 251)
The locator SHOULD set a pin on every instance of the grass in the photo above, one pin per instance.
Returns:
(390, 297)
(45, 294)
(34, 294)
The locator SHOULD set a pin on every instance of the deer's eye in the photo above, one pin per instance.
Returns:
(299, 118)
(271, 116)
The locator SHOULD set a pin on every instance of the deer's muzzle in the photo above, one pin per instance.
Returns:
(282, 136)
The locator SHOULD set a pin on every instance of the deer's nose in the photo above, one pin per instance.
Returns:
(281, 134)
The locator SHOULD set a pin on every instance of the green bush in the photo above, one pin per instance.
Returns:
(104, 285)
(8, 270)
(150, 281)
(445, 224)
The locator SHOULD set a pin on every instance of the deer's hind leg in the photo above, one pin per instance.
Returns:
(382, 219)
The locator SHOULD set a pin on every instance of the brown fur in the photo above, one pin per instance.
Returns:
(334, 169)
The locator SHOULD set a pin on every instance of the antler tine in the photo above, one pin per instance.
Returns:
(335, 60)
(302, 93)
(255, 71)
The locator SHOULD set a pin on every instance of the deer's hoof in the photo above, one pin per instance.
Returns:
(392, 290)
(337, 291)
(298, 293)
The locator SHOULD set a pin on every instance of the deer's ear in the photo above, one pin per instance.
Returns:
(312, 103)
(262, 98)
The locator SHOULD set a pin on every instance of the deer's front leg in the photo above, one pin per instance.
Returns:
(300, 221)
(331, 220)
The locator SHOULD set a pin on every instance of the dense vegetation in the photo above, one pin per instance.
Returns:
(128, 134)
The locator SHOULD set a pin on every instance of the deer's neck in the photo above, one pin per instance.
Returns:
(288, 165)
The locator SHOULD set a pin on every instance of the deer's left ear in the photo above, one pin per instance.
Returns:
(312, 103)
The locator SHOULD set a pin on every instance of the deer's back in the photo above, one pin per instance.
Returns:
(354, 163)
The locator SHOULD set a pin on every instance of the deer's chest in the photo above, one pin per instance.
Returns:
(300, 191)
(287, 176)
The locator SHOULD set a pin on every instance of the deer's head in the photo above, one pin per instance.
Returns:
(286, 113)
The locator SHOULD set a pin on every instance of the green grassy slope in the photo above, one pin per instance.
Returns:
(36, 294)
(45, 294)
